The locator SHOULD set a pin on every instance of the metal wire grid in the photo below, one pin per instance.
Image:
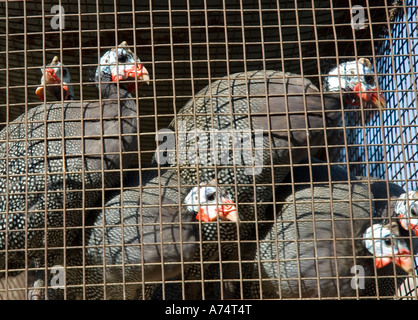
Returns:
(189, 45)
(393, 152)
(396, 62)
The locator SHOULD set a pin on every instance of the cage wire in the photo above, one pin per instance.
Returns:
(390, 139)
(397, 63)
(186, 46)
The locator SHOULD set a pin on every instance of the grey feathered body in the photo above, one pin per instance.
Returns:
(271, 101)
(316, 241)
(48, 156)
(144, 234)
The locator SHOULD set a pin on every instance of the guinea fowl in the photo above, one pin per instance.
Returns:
(144, 225)
(255, 120)
(322, 238)
(145, 233)
(52, 170)
(52, 74)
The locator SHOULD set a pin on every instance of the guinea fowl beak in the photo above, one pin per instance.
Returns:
(40, 93)
(228, 211)
(403, 259)
(141, 72)
(131, 73)
(50, 78)
(371, 95)
(225, 210)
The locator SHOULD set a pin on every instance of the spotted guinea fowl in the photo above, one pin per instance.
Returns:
(146, 211)
(52, 77)
(145, 233)
(235, 129)
(109, 64)
(324, 234)
(51, 169)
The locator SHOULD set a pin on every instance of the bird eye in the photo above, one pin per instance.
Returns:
(123, 58)
(387, 241)
(369, 79)
(211, 196)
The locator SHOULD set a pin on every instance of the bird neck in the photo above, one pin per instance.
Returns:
(71, 95)
(114, 94)
(113, 91)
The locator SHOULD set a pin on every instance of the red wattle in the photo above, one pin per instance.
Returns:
(67, 92)
(381, 262)
(202, 216)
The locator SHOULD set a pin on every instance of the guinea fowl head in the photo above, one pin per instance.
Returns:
(52, 76)
(358, 81)
(406, 209)
(385, 244)
(211, 202)
(121, 64)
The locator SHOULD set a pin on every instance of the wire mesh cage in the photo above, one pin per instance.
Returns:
(255, 149)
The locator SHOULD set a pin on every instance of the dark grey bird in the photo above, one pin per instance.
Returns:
(146, 233)
(54, 161)
(323, 236)
(237, 128)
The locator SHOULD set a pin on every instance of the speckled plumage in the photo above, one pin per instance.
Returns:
(48, 156)
(140, 225)
(274, 102)
(152, 235)
(296, 251)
